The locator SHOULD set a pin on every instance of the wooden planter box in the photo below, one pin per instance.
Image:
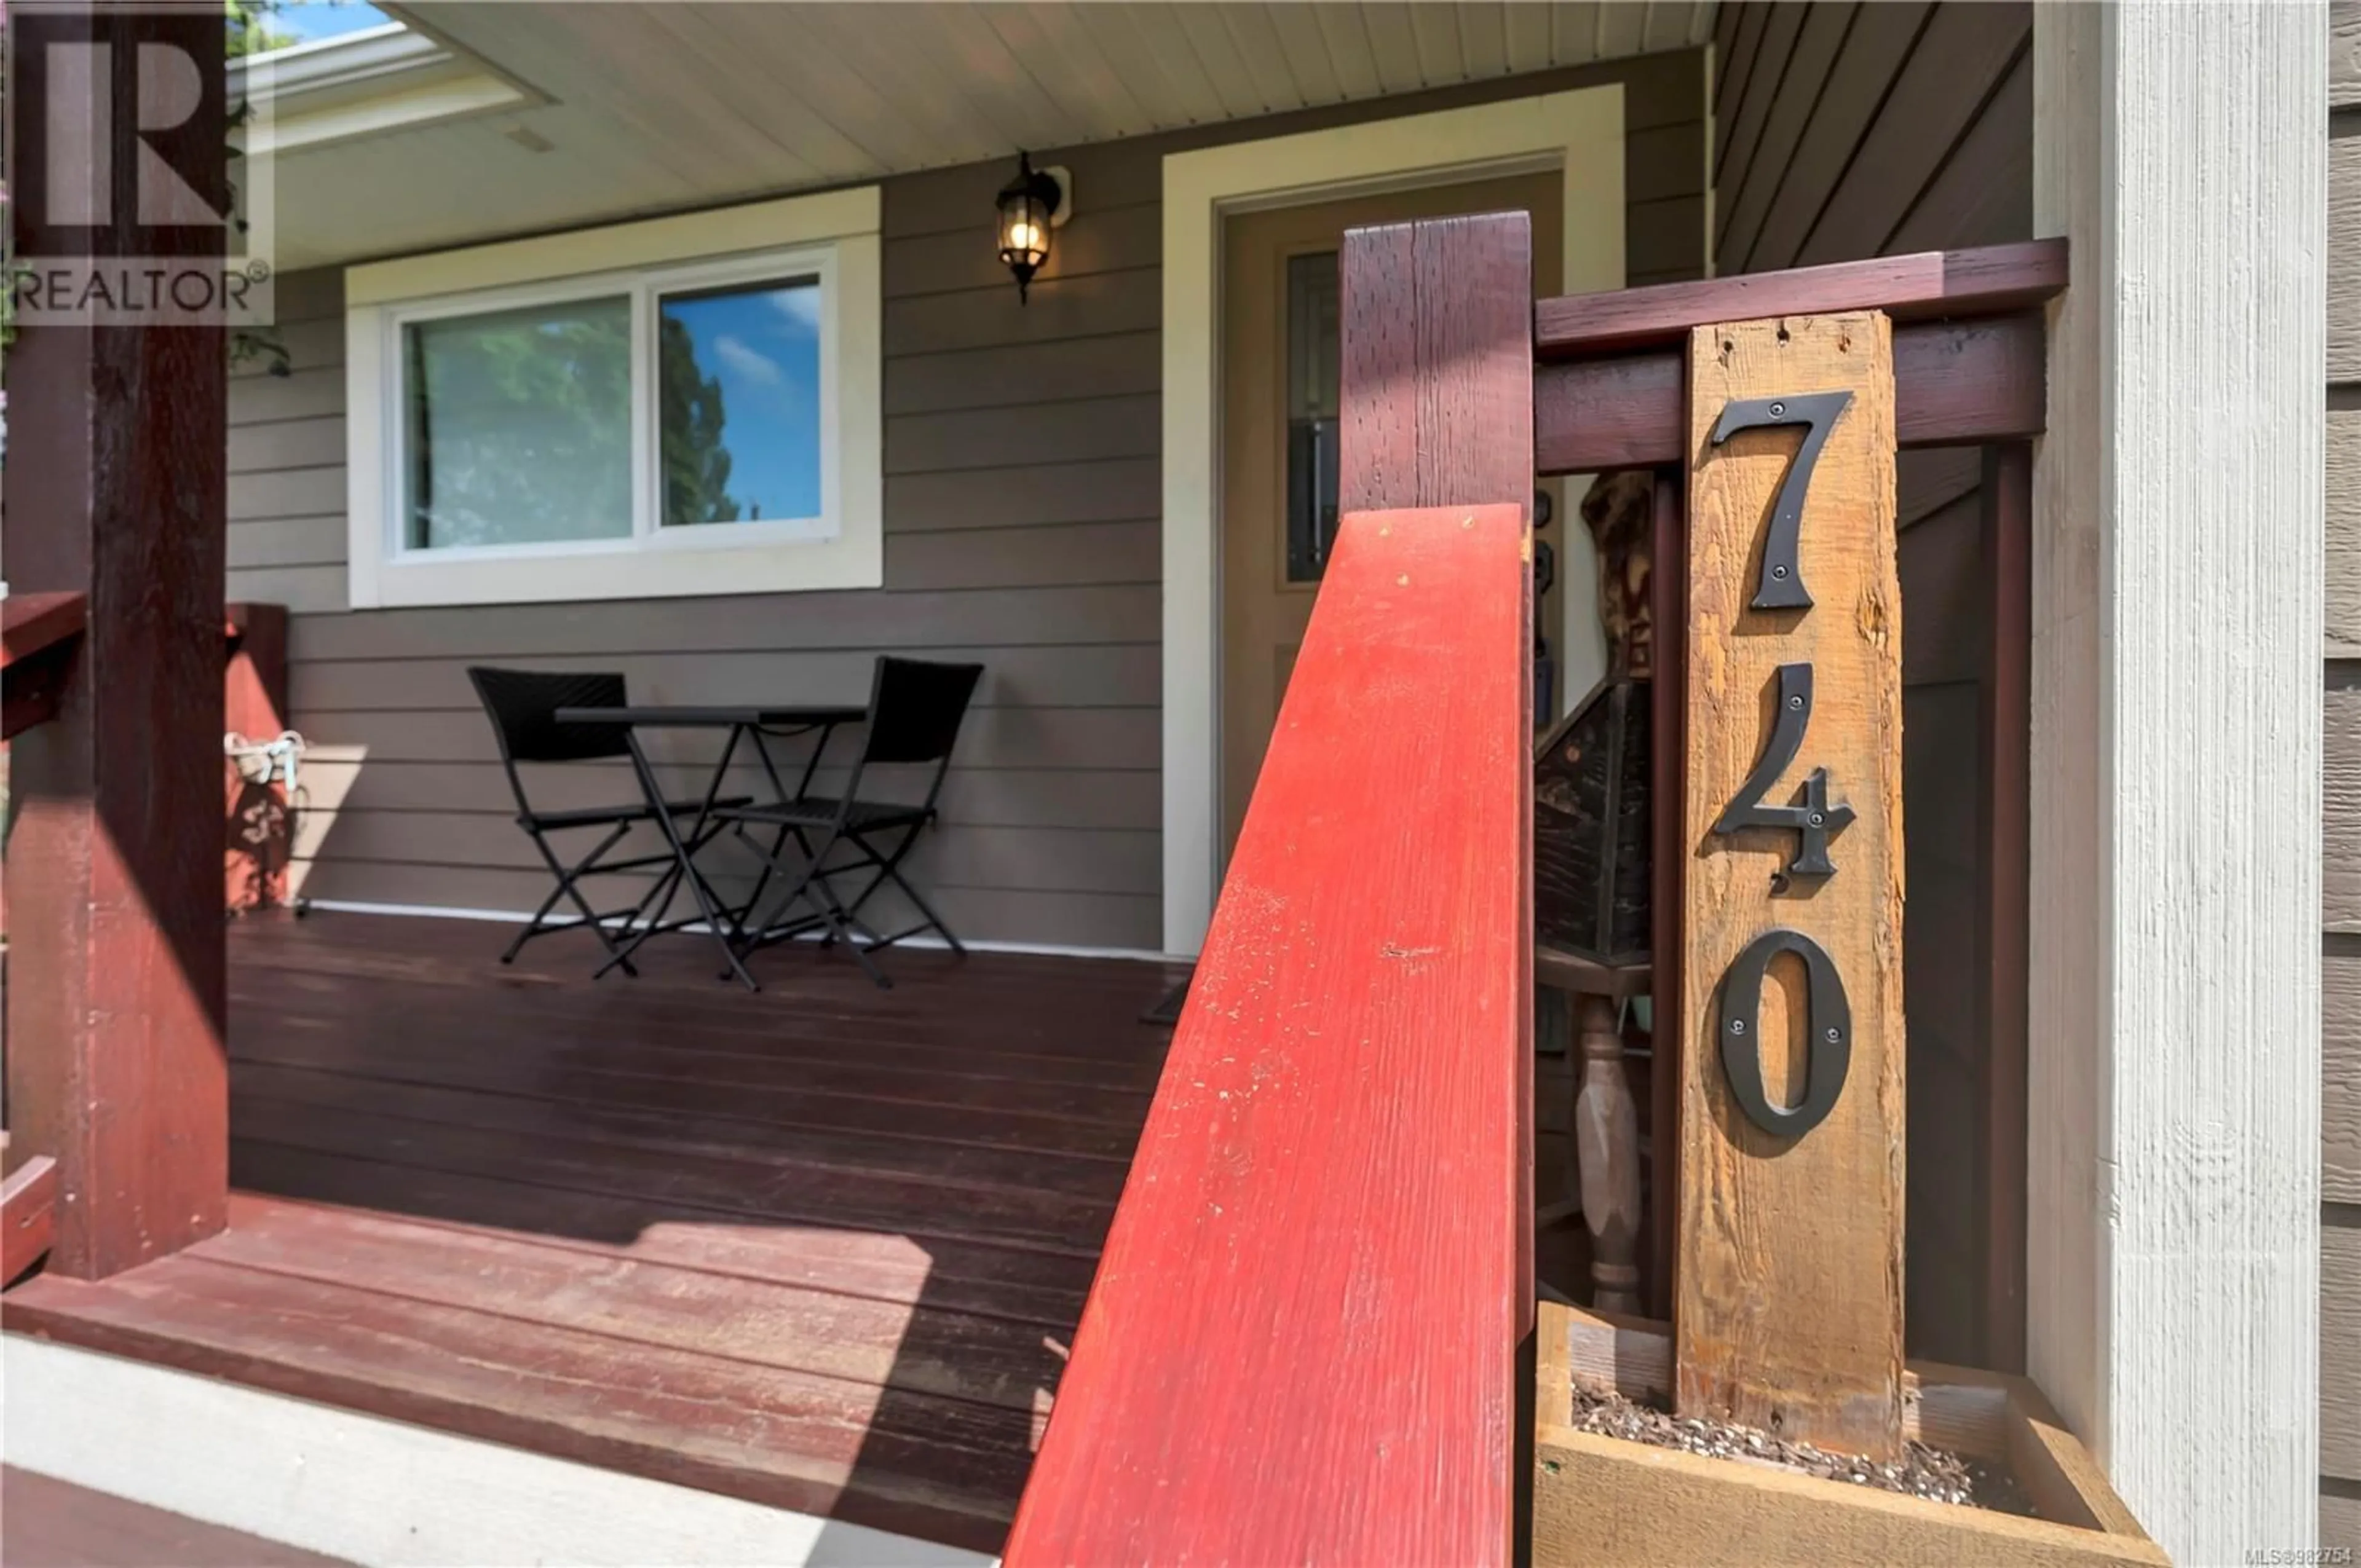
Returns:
(1601, 1500)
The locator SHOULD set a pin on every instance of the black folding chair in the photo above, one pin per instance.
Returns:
(522, 706)
(914, 712)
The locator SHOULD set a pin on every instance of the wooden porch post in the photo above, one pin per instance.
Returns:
(1437, 384)
(115, 489)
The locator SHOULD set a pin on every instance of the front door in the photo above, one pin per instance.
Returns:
(1279, 359)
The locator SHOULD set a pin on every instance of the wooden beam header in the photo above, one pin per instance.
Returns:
(1927, 286)
(1954, 383)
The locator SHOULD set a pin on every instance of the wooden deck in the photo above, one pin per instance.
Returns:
(822, 1247)
(47, 1523)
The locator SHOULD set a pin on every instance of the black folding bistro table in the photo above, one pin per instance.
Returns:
(758, 725)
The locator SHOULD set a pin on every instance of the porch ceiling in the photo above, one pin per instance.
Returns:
(654, 106)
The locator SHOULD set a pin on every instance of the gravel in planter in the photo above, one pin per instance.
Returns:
(1935, 1474)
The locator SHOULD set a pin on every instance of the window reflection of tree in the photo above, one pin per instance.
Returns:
(520, 426)
(695, 461)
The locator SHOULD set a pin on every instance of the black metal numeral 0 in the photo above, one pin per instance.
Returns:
(1781, 584)
(1828, 1028)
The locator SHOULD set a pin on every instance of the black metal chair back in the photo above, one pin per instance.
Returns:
(916, 706)
(914, 709)
(523, 704)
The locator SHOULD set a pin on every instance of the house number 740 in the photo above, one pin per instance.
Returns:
(1828, 1020)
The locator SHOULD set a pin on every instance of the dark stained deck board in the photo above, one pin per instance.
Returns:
(821, 1247)
(968, 1167)
(48, 1523)
(629, 1021)
(1040, 1288)
(576, 1050)
(753, 1191)
(1016, 1013)
(668, 1041)
(787, 1438)
(426, 955)
(907, 1118)
(823, 1331)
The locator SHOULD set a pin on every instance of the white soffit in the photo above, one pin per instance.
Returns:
(366, 83)
(633, 108)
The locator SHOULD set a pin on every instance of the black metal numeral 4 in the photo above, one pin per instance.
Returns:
(1781, 584)
(1827, 1024)
(1814, 818)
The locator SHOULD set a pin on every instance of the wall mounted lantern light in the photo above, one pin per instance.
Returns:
(1036, 202)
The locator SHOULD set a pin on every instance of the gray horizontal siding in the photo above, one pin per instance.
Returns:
(286, 542)
(2340, 968)
(2340, 1344)
(1030, 737)
(2341, 811)
(1023, 495)
(2340, 1099)
(1052, 919)
(1118, 675)
(1001, 859)
(1130, 799)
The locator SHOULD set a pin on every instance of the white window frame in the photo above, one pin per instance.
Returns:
(831, 237)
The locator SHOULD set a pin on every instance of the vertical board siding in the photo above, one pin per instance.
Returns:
(1022, 528)
(2340, 991)
(1898, 128)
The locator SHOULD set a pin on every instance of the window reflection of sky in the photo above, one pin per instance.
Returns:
(307, 21)
(761, 345)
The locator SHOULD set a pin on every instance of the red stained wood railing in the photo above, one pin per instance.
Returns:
(28, 1209)
(38, 634)
(1303, 1343)
(34, 623)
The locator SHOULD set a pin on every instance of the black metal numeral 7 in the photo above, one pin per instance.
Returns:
(1814, 818)
(1781, 584)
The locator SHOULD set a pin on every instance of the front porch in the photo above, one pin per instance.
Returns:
(823, 1247)
(820, 1254)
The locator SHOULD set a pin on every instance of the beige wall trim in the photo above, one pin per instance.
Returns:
(616, 247)
(1580, 132)
(2172, 1307)
(520, 917)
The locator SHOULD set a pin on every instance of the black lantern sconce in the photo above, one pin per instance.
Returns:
(1037, 201)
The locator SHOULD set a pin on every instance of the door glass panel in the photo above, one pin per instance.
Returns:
(1314, 358)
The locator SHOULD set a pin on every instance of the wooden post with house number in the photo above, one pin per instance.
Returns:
(1773, 869)
(1788, 1316)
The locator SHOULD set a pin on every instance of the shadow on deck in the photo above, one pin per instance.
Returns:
(822, 1247)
